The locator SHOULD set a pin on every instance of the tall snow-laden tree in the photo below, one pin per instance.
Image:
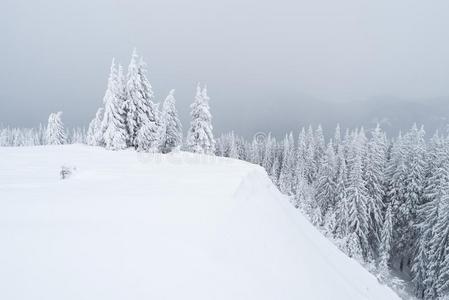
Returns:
(269, 153)
(275, 171)
(232, 146)
(302, 146)
(113, 123)
(55, 134)
(148, 137)
(95, 132)
(396, 173)
(357, 197)
(375, 182)
(171, 128)
(385, 242)
(325, 186)
(310, 160)
(200, 138)
(438, 273)
(141, 117)
(303, 196)
(337, 137)
(287, 165)
(255, 155)
(320, 147)
(427, 215)
(341, 202)
(412, 186)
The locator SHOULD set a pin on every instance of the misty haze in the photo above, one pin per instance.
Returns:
(292, 62)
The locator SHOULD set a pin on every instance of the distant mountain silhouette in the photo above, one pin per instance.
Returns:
(290, 114)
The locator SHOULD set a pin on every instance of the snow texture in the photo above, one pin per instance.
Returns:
(133, 225)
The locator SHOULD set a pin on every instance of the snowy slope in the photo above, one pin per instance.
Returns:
(130, 226)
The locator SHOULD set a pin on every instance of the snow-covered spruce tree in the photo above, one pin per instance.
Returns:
(95, 132)
(220, 146)
(78, 136)
(241, 148)
(55, 134)
(113, 123)
(337, 137)
(269, 153)
(171, 128)
(275, 171)
(148, 137)
(234, 150)
(412, 185)
(374, 176)
(302, 146)
(141, 118)
(287, 165)
(438, 272)
(427, 216)
(255, 154)
(303, 197)
(200, 138)
(396, 173)
(41, 134)
(311, 164)
(325, 185)
(341, 202)
(357, 197)
(133, 95)
(385, 243)
(230, 146)
(4, 137)
(320, 149)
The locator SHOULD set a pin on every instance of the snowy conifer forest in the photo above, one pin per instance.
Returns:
(382, 200)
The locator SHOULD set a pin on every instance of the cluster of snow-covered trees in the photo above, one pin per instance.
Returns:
(384, 202)
(53, 133)
(131, 118)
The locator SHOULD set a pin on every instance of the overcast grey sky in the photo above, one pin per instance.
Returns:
(275, 56)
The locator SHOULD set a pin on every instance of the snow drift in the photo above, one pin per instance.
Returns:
(137, 226)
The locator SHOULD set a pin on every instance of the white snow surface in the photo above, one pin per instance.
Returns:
(179, 226)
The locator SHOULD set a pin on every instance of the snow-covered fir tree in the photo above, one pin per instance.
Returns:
(320, 146)
(171, 128)
(141, 120)
(337, 137)
(341, 230)
(408, 195)
(375, 182)
(427, 216)
(55, 134)
(78, 136)
(200, 138)
(385, 242)
(325, 185)
(95, 130)
(233, 150)
(310, 159)
(113, 123)
(437, 281)
(288, 165)
(357, 197)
